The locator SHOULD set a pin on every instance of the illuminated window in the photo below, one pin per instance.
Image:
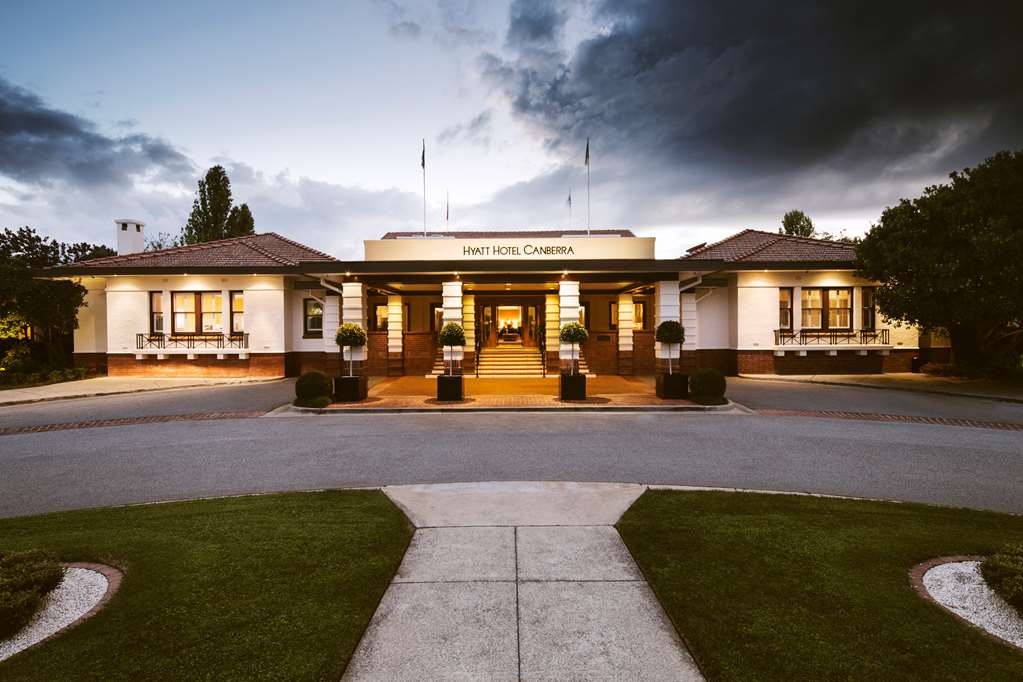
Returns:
(639, 315)
(812, 304)
(155, 312)
(312, 318)
(183, 312)
(785, 308)
(237, 312)
(380, 317)
(839, 308)
(212, 307)
(869, 321)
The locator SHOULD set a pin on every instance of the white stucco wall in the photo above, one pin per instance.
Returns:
(91, 334)
(712, 312)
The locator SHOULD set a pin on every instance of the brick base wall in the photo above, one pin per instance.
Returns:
(643, 361)
(419, 349)
(256, 365)
(93, 361)
(819, 362)
(376, 354)
(298, 363)
(601, 352)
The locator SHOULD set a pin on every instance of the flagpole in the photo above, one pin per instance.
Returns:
(587, 187)
(447, 211)
(424, 186)
(569, 208)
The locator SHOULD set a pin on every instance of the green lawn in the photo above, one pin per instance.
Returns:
(776, 587)
(268, 587)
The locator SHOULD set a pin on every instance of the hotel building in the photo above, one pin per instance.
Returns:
(263, 305)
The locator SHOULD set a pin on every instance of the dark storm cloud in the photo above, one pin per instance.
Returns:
(39, 144)
(750, 87)
(405, 29)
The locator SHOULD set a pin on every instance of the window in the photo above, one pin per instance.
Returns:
(380, 315)
(638, 315)
(869, 321)
(839, 308)
(183, 312)
(312, 318)
(612, 315)
(813, 308)
(785, 308)
(212, 312)
(437, 317)
(584, 314)
(156, 312)
(237, 312)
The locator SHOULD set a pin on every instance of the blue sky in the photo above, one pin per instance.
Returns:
(706, 118)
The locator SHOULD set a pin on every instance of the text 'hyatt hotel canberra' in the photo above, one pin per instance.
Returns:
(263, 305)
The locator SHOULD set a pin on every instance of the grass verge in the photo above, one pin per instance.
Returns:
(265, 587)
(786, 587)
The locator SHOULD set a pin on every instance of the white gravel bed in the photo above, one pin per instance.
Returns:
(959, 587)
(79, 591)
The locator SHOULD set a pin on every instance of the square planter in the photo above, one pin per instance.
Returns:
(350, 389)
(449, 388)
(572, 386)
(673, 386)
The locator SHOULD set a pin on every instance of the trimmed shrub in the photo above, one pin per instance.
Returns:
(351, 334)
(317, 401)
(1004, 573)
(573, 332)
(25, 578)
(451, 335)
(707, 386)
(312, 385)
(670, 331)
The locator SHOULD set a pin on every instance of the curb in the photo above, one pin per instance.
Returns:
(730, 407)
(99, 394)
(909, 389)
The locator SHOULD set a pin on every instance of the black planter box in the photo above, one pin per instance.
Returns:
(449, 388)
(673, 386)
(350, 389)
(572, 386)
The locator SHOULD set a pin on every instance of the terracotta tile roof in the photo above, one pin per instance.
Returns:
(755, 246)
(268, 250)
(501, 234)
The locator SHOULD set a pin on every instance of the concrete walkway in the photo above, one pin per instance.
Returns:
(519, 581)
(87, 388)
(905, 381)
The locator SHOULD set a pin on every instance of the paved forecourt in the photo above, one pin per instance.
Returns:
(510, 581)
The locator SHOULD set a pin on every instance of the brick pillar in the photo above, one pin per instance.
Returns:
(395, 336)
(626, 322)
(353, 310)
(667, 306)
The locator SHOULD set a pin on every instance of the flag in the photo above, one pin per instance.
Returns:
(447, 209)
(569, 198)
(587, 151)
(424, 153)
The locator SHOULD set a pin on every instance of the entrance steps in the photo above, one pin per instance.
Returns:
(507, 360)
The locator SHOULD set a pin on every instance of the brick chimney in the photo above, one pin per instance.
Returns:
(131, 235)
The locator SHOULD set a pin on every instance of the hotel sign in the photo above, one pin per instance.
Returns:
(524, 248)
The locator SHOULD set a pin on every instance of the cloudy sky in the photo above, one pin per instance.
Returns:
(704, 117)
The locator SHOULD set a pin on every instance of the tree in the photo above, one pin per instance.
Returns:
(952, 259)
(213, 216)
(240, 222)
(165, 240)
(48, 307)
(797, 224)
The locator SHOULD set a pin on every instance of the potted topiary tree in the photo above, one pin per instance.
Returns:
(671, 385)
(449, 386)
(572, 385)
(350, 388)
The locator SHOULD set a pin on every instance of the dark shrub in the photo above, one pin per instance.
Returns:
(18, 360)
(312, 385)
(318, 401)
(942, 369)
(707, 386)
(1004, 573)
(25, 578)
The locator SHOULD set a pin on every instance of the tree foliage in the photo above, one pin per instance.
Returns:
(797, 224)
(48, 307)
(952, 259)
(213, 214)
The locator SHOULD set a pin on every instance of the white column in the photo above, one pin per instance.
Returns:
(797, 309)
(469, 320)
(666, 307)
(452, 293)
(857, 308)
(395, 324)
(689, 321)
(353, 311)
(626, 321)
(331, 321)
(552, 322)
(568, 311)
